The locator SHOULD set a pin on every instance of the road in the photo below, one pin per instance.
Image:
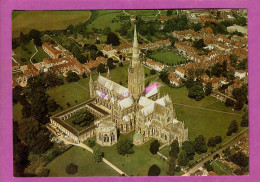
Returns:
(229, 143)
(34, 54)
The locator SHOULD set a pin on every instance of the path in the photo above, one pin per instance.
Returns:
(34, 53)
(227, 144)
(82, 145)
(81, 86)
(105, 160)
(207, 109)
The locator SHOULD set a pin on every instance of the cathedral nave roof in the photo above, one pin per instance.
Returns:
(110, 85)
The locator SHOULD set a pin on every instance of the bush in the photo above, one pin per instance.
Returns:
(125, 146)
(178, 169)
(97, 155)
(72, 77)
(152, 72)
(72, 168)
(154, 147)
(154, 170)
(91, 143)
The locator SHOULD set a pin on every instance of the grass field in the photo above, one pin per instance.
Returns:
(136, 164)
(40, 55)
(167, 57)
(69, 93)
(24, 21)
(221, 168)
(105, 18)
(24, 51)
(198, 120)
(85, 161)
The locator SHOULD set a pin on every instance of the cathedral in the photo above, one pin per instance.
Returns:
(135, 108)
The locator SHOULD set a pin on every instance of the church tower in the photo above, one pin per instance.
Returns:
(135, 72)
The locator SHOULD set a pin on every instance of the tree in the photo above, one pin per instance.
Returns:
(200, 144)
(154, 147)
(84, 75)
(42, 172)
(20, 158)
(208, 166)
(71, 168)
(199, 44)
(218, 139)
(244, 122)
(208, 89)
(152, 72)
(174, 150)
(229, 102)
(97, 155)
(72, 76)
(41, 141)
(110, 63)
(172, 167)
(101, 68)
(28, 129)
(211, 142)
(240, 159)
(154, 170)
(16, 93)
(52, 105)
(82, 118)
(189, 148)
(39, 101)
(125, 146)
(106, 30)
(196, 92)
(112, 39)
(121, 64)
(91, 143)
(183, 160)
(164, 77)
(26, 110)
(233, 126)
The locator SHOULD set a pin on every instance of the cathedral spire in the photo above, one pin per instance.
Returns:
(135, 47)
(108, 74)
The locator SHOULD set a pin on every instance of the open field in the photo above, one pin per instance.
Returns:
(221, 168)
(167, 57)
(106, 18)
(24, 51)
(24, 21)
(69, 93)
(85, 161)
(40, 55)
(136, 164)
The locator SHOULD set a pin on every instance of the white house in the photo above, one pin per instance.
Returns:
(240, 74)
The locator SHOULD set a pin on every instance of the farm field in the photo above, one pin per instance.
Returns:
(85, 161)
(46, 20)
(167, 57)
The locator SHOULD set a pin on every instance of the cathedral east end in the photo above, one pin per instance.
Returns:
(147, 113)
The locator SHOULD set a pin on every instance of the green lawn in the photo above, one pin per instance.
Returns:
(68, 93)
(40, 55)
(221, 168)
(24, 21)
(136, 164)
(167, 57)
(105, 18)
(76, 126)
(85, 161)
(24, 51)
